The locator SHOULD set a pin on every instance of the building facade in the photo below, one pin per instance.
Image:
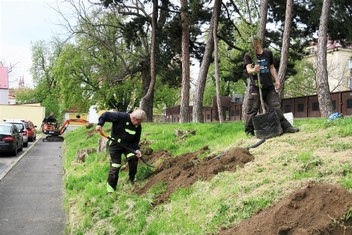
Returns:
(339, 65)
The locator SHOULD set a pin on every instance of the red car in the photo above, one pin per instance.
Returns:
(31, 130)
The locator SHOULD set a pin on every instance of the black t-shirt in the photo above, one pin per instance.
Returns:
(264, 60)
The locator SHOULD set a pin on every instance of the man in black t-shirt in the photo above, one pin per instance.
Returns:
(264, 64)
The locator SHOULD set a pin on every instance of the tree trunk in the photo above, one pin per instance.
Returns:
(146, 103)
(147, 100)
(263, 18)
(285, 44)
(323, 91)
(216, 56)
(184, 108)
(203, 71)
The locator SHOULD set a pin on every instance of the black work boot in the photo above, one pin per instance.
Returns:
(131, 181)
(250, 133)
(291, 130)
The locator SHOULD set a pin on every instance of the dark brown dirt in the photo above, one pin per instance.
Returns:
(316, 209)
(184, 170)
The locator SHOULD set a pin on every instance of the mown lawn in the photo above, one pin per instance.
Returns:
(321, 151)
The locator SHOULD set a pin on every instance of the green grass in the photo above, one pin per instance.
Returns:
(212, 134)
(319, 152)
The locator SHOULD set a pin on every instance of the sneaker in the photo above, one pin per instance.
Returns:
(291, 130)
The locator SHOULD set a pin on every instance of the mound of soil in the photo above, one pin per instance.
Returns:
(316, 209)
(184, 170)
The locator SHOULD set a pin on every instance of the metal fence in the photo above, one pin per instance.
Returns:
(301, 107)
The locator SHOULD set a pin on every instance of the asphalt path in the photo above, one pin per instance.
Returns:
(31, 191)
(7, 161)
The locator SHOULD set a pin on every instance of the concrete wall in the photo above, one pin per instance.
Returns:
(4, 96)
(33, 112)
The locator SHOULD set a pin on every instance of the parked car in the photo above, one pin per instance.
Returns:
(22, 127)
(11, 139)
(31, 129)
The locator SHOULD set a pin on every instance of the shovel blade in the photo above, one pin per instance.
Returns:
(267, 125)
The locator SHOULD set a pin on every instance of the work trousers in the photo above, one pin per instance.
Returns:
(272, 102)
(116, 152)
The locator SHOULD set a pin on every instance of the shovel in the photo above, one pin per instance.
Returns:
(266, 125)
(125, 147)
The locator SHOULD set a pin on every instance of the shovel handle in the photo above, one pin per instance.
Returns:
(260, 93)
(106, 136)
(112, 139)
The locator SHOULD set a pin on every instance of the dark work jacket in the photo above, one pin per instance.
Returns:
(122, 128)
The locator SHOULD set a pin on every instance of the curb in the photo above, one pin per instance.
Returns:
(2, 175)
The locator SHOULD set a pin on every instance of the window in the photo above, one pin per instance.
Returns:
(349, 103)
(287, 108)
(237, 112)
(315, 106)
(300, 107)
(334, 104)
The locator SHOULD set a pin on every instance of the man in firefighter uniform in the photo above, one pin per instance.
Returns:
(126, 132)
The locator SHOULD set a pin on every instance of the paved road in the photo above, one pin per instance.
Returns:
(31, 193)
(7, 161)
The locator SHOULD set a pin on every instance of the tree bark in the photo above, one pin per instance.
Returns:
(148, 98)
(203, 71)
(184, 107)
(323, 90)
(285, 44)
(216, 57)
(263, 19)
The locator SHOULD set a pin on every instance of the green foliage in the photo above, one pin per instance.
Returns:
(25, 95)
(165, 96)
(77, 83)
(302, 83)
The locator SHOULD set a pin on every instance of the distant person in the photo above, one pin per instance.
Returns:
(51, 118)
(126, 130)
(264, 65)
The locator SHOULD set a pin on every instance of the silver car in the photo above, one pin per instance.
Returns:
(22, 127)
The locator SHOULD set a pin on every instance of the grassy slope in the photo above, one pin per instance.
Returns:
(320, 152)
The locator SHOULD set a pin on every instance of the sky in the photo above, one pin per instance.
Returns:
(23, 22)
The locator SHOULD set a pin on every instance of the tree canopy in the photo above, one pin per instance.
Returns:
(106, 59)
